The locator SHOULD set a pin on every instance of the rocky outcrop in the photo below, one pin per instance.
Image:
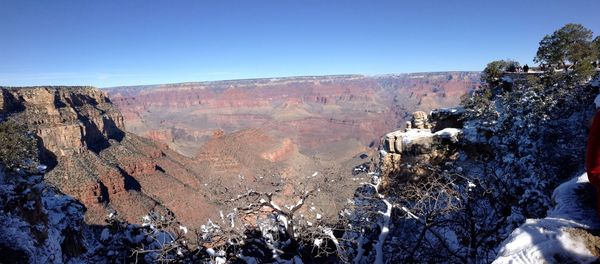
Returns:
(405, 154)
(419, 120)
(281, 152)
(38, 224)
(94, 160)
(68, 120)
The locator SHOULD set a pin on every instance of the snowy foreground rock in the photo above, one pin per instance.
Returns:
(548, 240)
(40, 225)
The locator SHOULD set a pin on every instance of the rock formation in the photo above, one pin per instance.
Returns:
(419, 120)
(39, 224)
(405, 154)
(94, 160)
(67, 120)
(319, 114)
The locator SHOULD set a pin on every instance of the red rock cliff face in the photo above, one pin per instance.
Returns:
(93, 159)
(318, 114)
(68, 121)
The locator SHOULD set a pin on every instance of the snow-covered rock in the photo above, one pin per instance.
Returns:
(39, 224)
(449, 133)
(416, 145)
(547, 240)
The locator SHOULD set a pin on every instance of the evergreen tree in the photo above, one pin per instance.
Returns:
(569, 46)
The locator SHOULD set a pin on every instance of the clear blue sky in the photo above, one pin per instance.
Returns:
(109, 43)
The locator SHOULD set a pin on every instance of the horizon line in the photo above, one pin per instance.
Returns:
(288, 77)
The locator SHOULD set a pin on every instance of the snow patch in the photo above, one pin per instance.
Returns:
(449, 133)
(541, 240)
(414, 134)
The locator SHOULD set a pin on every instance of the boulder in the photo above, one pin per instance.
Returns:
(406, 154)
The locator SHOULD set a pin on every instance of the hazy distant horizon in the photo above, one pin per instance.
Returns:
(285, 77)
(250, 78)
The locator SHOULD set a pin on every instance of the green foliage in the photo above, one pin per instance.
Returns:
(17, 146)
(512, 66)
(572, 46)
(493, 72)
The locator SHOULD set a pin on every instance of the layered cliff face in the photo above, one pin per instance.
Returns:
(93, 159)
(67, 120)
(329, 118)
(313, 111)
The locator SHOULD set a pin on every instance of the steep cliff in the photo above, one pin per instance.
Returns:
(93, 159)
(67, 120)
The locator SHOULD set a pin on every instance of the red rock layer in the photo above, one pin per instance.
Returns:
(94, 160)
(313, 112)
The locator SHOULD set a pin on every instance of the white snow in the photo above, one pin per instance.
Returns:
(220, 260)
(211, 252)
(42, 168)
(447, 110)
(414, 134)
(540, 240)
(318, 242)
(327, 231)
(183, 228)
(409, 213)
(275, 206)
(507, 79)
(385, 230)
(470, 186)
(449, 133)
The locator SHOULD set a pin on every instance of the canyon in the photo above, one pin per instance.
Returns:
(91, 158)
(316, 121)
(188, 148)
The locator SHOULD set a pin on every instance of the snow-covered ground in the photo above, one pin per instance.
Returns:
(546, 240)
